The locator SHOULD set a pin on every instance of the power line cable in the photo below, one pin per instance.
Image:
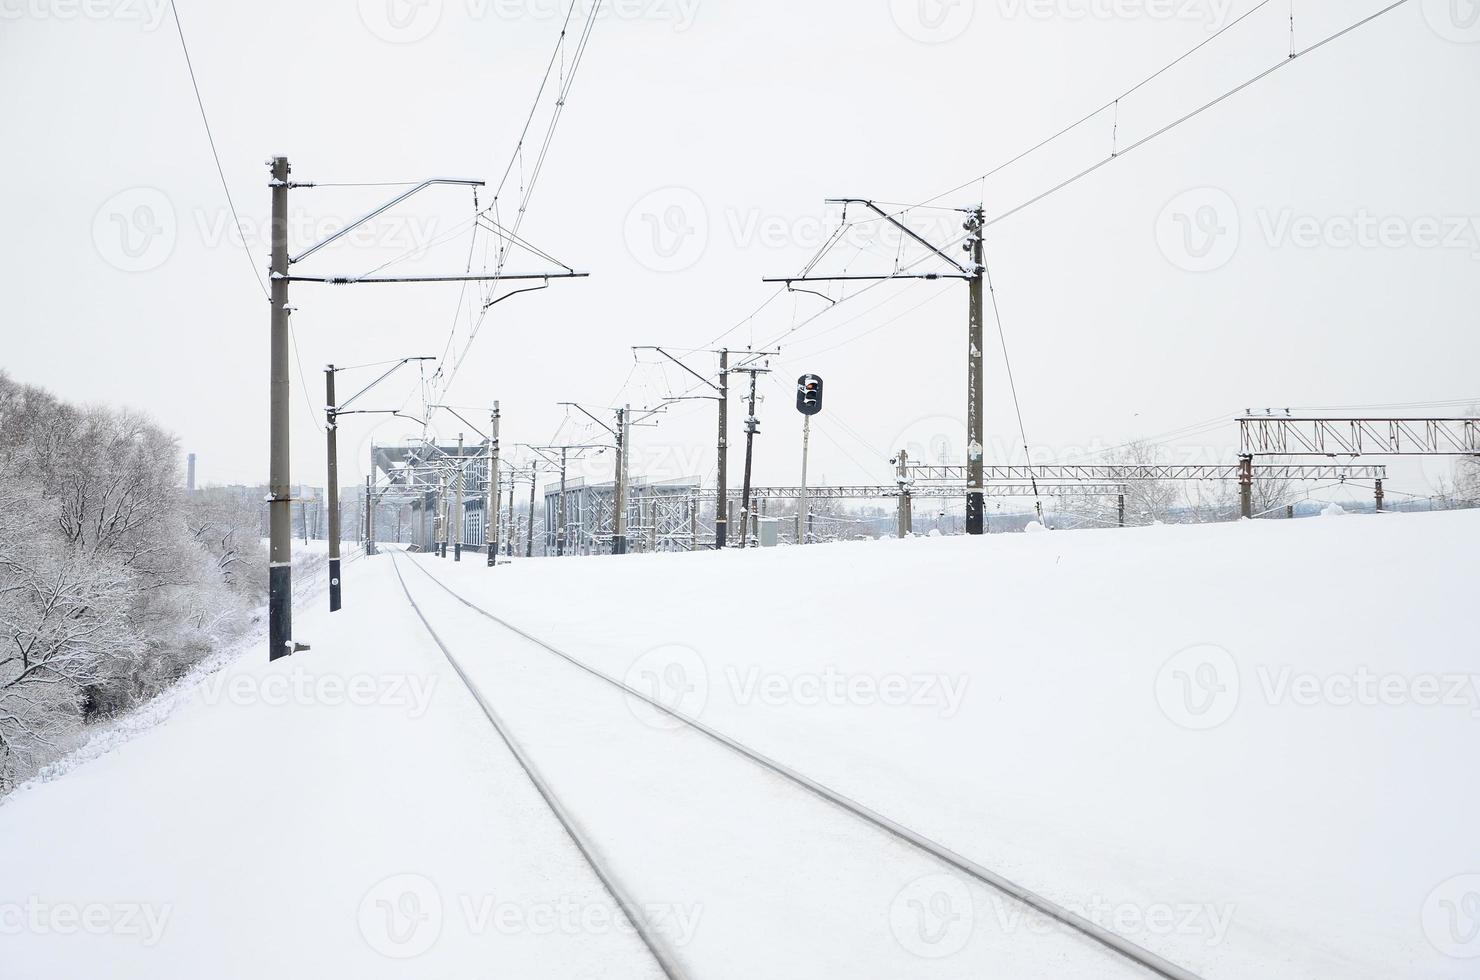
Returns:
(220, 172)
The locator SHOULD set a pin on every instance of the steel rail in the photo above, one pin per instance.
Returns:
(1110, 940)
(655, 945)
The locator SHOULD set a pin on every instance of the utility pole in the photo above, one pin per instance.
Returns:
(423, 505)
(529, 540)
(721, 390)
(560, 527)
(280, 550)
(332, 411)
(619, 492)
(752, 426)
(280, 575)
(902, 476)
(976, 504)
(1246, 487)
(458, 516)
(565, 452)
(491, 538)
(442, 534)
(332, 428)
(722, 463)
(975, 276)
(511, 536)
(621, 495)
(369, 516)
(694, 522)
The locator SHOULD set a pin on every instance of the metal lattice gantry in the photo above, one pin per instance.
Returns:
(892, 490)
(660, 516)
(1261, 435)
(924, 473)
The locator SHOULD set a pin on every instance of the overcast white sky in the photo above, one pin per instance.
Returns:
(1314, 241)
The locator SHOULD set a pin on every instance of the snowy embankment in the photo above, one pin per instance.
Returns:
(1240, 746)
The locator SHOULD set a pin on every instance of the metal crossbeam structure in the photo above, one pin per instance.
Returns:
(1286, 436)
(881, 492)
(926, 473)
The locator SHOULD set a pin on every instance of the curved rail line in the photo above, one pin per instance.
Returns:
(654, 943)
(1112, 941)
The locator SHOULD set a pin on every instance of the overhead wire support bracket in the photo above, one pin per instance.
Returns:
(902, 227)
(355, 280)
(292, 260)
(788, 280)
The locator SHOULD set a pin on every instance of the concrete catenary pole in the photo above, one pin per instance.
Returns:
(529, 540)
(902, 477)
(511, 525)
(491, 512)
(619, 497)
(560, 523)
(752, 425)
(722, 462)
(976, 508)
(280, 515)
(332, 490)
(442, 514)
(457, 514)
(1246, 487)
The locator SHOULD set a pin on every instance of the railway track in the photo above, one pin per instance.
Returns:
(634, 746)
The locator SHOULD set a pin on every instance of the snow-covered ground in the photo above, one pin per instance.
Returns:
(1241, 746)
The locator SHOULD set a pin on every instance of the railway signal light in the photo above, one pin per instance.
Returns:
(809, 394)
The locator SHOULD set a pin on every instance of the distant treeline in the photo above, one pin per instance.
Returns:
(113, 580)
